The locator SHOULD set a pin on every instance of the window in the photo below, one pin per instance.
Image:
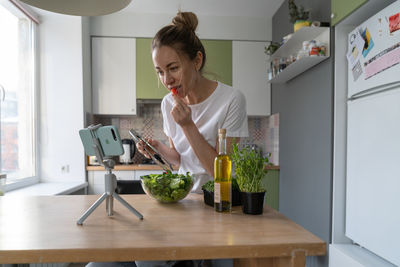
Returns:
(17, 95)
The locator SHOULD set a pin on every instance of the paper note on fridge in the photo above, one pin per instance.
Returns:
(356, 45)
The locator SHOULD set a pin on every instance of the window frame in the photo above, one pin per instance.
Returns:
(27, 181)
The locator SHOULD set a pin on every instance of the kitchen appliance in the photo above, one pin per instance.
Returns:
(129, 151)
(373, 134)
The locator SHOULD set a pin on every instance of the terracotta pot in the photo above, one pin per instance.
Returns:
(253, 203)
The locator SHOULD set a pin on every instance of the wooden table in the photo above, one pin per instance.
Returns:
(43, 229)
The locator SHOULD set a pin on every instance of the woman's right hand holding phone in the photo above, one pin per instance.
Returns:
(145, 149)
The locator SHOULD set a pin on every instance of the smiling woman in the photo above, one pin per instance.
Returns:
(17, 102)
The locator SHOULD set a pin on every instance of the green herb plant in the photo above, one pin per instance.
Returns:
(249, 168)
(209, 186)
(297, 13)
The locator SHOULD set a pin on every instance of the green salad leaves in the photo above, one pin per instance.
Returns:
(167, 187)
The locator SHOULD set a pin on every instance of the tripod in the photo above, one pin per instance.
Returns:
(110, 184)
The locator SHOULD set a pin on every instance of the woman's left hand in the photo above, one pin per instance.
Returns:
(181, 112)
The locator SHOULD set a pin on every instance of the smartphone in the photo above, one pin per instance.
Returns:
(108, 138)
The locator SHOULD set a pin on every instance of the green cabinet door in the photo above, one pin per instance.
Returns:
(147, 82)
(218, 67)
(271, 184)
(218, 60)
(342, 8)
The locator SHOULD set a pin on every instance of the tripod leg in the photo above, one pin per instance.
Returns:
(129, 207)
(109, 205)
(92, 208)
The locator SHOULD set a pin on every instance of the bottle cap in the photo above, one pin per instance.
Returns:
(222, 131)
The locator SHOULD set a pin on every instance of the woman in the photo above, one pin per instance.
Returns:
(196, 107)
(192, 113)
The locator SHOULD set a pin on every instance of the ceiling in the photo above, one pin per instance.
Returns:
(243, 8)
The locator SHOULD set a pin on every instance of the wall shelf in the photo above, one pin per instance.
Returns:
(296, 68)
(294, 45)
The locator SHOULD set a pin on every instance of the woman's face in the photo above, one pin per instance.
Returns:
(173, 70)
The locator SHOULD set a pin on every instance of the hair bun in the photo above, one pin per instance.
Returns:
(186, 20)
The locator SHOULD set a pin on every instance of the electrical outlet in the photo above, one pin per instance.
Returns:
(65, 169)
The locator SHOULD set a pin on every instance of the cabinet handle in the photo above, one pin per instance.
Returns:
(333, 15)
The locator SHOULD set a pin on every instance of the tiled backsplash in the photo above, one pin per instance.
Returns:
(263, 131)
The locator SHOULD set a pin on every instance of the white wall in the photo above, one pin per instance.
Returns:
(61, 98)
(210, 27)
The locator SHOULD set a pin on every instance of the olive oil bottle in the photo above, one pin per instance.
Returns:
(222, 176)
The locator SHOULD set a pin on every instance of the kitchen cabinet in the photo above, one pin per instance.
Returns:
(114, 75)
(219, 60)
(294, 45)
(96, 178)
(148, 85)
(271, 183)
(342, 8)
(218, 67)
(249, 65)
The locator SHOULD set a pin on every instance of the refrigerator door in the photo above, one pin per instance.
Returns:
(374, 52)
(373, 173)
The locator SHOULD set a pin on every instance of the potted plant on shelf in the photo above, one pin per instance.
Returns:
(298, 16)
(249, 171)
(271, 48)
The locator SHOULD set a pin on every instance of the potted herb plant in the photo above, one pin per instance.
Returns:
(249, 171)
(208, 191)
(271, 48)
(298, 16)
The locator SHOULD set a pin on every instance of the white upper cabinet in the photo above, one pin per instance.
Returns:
(249, 75)
(114, 75)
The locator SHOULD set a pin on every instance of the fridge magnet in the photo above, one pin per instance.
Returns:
(369, 43)
(357, 71)
(394, 23)
(380, 27)
(356, 46)
(382, 61)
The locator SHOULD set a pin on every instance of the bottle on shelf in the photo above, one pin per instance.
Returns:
(222, 176)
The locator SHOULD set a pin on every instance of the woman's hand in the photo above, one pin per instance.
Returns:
(141, 147)
(181, 112)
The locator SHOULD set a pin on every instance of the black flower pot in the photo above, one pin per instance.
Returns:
(209, 198)
(253, 203)
(236, 199)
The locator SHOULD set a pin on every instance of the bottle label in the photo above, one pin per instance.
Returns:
(217, 192)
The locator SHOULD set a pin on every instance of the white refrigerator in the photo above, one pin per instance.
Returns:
(373, 135)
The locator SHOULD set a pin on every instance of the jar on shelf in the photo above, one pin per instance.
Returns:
(275, 66)
(282, 64)
(306, 45)
(322, 50)
(314, 48)
(293, 58)
(269, 74)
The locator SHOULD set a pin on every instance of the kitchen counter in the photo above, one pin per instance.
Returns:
(129, 167)
(44, 229)
(145, 167)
